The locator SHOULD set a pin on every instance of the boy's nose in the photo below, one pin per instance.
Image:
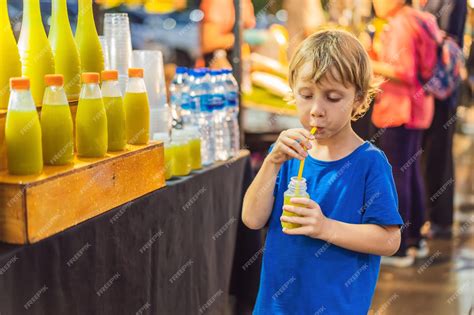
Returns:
(317, 111)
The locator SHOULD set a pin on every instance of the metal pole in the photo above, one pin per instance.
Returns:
(237, 60)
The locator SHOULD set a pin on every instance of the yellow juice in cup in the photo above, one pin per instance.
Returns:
(195, 153)
(169, 159)
(296, 189)
(115, 123)
(181, 161)
(57, 131)
(137, 115)
(23, 140)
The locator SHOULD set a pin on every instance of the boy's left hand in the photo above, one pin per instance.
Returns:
(310, 217)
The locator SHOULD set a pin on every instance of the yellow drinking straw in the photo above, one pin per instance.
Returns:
(300, 171)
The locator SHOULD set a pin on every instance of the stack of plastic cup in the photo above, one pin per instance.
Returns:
(105, 50)
(119, 43)
(152, 62)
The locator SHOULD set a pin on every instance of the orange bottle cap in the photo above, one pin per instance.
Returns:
(22, 83)
(135, 72)
(90, 77)
(109, 75)
(54, 79)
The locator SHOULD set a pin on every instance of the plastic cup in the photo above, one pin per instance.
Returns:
(152, 62)
(119, 41)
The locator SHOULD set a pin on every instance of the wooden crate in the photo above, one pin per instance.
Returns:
(35, 207)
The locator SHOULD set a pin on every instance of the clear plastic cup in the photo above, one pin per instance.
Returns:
(160, 120)
(105, 50)
(152, 62)
(119, 41)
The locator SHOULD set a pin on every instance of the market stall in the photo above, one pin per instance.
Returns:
(104, 207)
(172, 251)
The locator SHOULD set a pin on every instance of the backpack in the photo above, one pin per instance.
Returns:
(445, 75)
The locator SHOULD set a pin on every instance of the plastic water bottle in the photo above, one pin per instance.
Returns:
(232, 110)
(218, 101)
(179, 90)
(200, 100)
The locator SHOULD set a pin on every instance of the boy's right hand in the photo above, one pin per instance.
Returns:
(290, 145)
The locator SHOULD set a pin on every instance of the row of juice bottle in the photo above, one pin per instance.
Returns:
(61, 52)
(104, 121)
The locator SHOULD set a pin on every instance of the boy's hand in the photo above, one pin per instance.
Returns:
(310, 217)
(290, 145)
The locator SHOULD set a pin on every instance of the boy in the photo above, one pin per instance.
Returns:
(330, 264)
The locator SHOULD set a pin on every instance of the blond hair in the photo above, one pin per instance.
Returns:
(339, 54)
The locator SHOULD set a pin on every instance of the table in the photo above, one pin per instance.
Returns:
(178, 250)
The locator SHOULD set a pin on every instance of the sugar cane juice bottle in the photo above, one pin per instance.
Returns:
(296, 189)
(10, 65)
(137, 109)
(87, 39)
(181, 153)
(23, 131)
(91, 119)
(194, 147)
(36, 55)
(115, 110)
(66, 54)
(56, 123)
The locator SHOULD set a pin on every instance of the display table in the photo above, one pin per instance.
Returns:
(171, 251)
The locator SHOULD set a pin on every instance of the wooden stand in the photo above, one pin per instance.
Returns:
(35, 207)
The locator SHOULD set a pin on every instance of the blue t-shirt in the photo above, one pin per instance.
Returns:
(301, 275)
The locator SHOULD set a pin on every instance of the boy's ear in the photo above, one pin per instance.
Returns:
(358, 100)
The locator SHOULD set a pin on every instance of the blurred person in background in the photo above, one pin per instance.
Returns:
(438, 139)
(218, 23)
(304, 18)
(403, 111)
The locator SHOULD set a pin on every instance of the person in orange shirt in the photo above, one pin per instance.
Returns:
(218, 22)
(403, 111)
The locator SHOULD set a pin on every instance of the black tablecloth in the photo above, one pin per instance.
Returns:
(168, 252)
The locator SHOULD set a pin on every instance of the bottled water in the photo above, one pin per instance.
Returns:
(232, 110)
(180, 99)
(218, 100)
(201, 101)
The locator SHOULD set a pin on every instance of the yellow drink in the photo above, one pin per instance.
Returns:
(169, 157)
(115, 123)
(10, 65)
(66, 54)
(91, 128)
(23, 140)
(195, 153)
(137, 114)
(87, 39)
(36, 55)
(296, 189)
(181, 161)
(57, 131)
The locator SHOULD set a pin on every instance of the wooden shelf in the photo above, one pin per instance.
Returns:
(35, 207)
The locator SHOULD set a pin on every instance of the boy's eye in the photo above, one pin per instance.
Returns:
(333, 99)
(306, 96)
